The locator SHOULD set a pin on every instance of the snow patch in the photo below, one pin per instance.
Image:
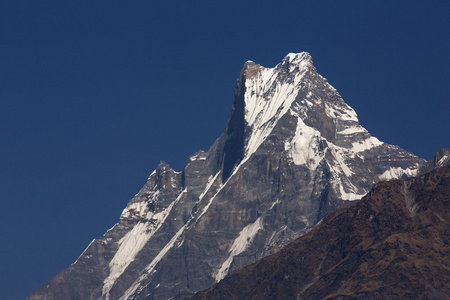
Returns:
(148, 270)
(343, 113)
(349, 196)
(304, 146)
(442, 161)
(240, 244)
(136, 286)
(352, 130)
(339, 156)
(133, 242)
(366, 144)
(153, 173)
(395, 173)
(140, 209)
(267, 99)
(199, 156)
(341, 180)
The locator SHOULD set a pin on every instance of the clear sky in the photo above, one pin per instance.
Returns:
(94, 94)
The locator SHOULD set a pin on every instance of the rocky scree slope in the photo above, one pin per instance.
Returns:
(292, 152)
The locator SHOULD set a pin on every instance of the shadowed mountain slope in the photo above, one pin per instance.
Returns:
(393, 244)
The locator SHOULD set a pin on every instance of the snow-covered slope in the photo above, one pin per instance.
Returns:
(292, 152)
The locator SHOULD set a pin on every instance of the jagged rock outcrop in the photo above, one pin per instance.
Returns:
(292, 152)
(393, 244)
(442, 158)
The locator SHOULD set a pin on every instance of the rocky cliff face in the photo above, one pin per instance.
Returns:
(394, 244)
(442, 158)
(292, 152)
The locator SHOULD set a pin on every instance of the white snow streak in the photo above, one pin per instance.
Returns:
(442, 161)
(211, 180)
(153, 264)
(240, 244)
(352, 130)
(366, 144)
(149, 269)
(340, 179)
(83, 251)
(348, 114)
(339, 156)
(267, 99)
(133, 242)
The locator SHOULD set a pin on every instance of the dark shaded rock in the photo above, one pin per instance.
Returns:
(393, 244)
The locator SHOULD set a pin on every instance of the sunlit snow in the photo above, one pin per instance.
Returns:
(150, 267)
(443, 161)
(303, 147)
(394, 173)
(133, 242)
(240, 244)
(267, 99)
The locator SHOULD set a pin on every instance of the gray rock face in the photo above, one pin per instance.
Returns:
(292, 152)
(440, 159)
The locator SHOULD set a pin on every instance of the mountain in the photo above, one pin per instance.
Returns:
(292, 152)
(394, 244)
(442, 158)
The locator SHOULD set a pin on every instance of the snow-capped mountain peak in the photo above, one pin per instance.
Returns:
(291, 153)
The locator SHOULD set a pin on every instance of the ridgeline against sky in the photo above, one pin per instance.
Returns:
(292, 152)
(94, 95)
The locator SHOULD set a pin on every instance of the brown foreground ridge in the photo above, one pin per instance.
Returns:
(393, 244)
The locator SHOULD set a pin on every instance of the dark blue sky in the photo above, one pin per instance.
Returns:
(95, 93)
